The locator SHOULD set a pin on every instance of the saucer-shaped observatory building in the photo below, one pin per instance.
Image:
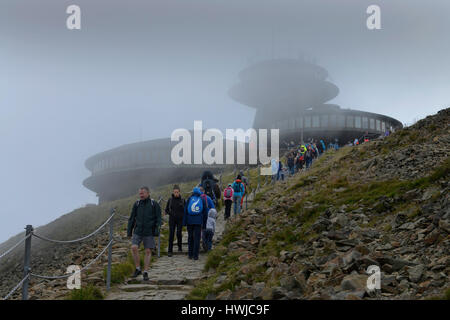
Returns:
(288, 94)
(119, 172)
(292, 95)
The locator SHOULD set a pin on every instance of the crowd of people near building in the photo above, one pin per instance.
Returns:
(198, 212)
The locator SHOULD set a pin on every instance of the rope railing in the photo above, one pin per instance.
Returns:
(27, 274)
(75, 240)
(18, 285)
(76, 272)
(30, 233)
(14, 246)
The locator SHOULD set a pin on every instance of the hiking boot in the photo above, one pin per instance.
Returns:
(145, 276)
(136, 273)
(195, 258)
(180, 249)
(190, 257)
(169, 254)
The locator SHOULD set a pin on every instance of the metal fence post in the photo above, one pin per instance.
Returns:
(26, 262)
(108, 271)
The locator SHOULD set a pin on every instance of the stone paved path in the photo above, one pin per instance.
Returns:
(171, 278)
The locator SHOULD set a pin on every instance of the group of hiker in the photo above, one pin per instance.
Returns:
(198, 213)
(301, 157)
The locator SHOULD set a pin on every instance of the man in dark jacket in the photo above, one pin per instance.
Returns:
(195, 220)
(143, 225)
(175, 210)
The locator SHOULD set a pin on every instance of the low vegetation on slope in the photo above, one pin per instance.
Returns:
(383, 203)
(51, 259)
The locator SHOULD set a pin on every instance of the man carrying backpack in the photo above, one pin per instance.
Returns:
(207, 198)
(143, 225)
(175, 210)
(210, 186)
(238, 191)
(228, 200)
(195, 217)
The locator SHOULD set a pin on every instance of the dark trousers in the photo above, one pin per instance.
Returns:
(194, 235)
(208, 238)
(228, 204)
(175, 224)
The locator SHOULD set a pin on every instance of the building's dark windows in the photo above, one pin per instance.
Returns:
(349, 123)
(291, 123)
(333, 120)
(341, 121)
(358, 122)
(316, 122)
(378, 125)
(372, 124)
(365, 123)
(383, 126)
(307, 122)
(324, 121)
(149, 156)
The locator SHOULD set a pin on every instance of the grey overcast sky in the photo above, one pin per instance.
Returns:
(139, 69)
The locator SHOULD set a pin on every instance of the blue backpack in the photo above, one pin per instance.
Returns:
(195, 205)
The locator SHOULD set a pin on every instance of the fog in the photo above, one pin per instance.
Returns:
(137, 70)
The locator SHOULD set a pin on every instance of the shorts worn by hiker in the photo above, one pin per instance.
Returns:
(149, 241)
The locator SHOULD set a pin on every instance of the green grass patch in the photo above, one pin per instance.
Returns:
(89, 292)
(215, 256)
(120, 272)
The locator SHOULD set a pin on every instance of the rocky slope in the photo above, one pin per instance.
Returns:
(383, 203)
(53, 259)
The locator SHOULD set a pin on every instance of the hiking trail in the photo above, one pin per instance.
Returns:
(170, 278)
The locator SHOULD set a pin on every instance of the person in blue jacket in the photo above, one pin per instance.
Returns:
(195, 217)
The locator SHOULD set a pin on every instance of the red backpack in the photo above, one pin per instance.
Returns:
(228, 192)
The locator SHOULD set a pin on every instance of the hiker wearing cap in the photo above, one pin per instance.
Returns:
(175, 210)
